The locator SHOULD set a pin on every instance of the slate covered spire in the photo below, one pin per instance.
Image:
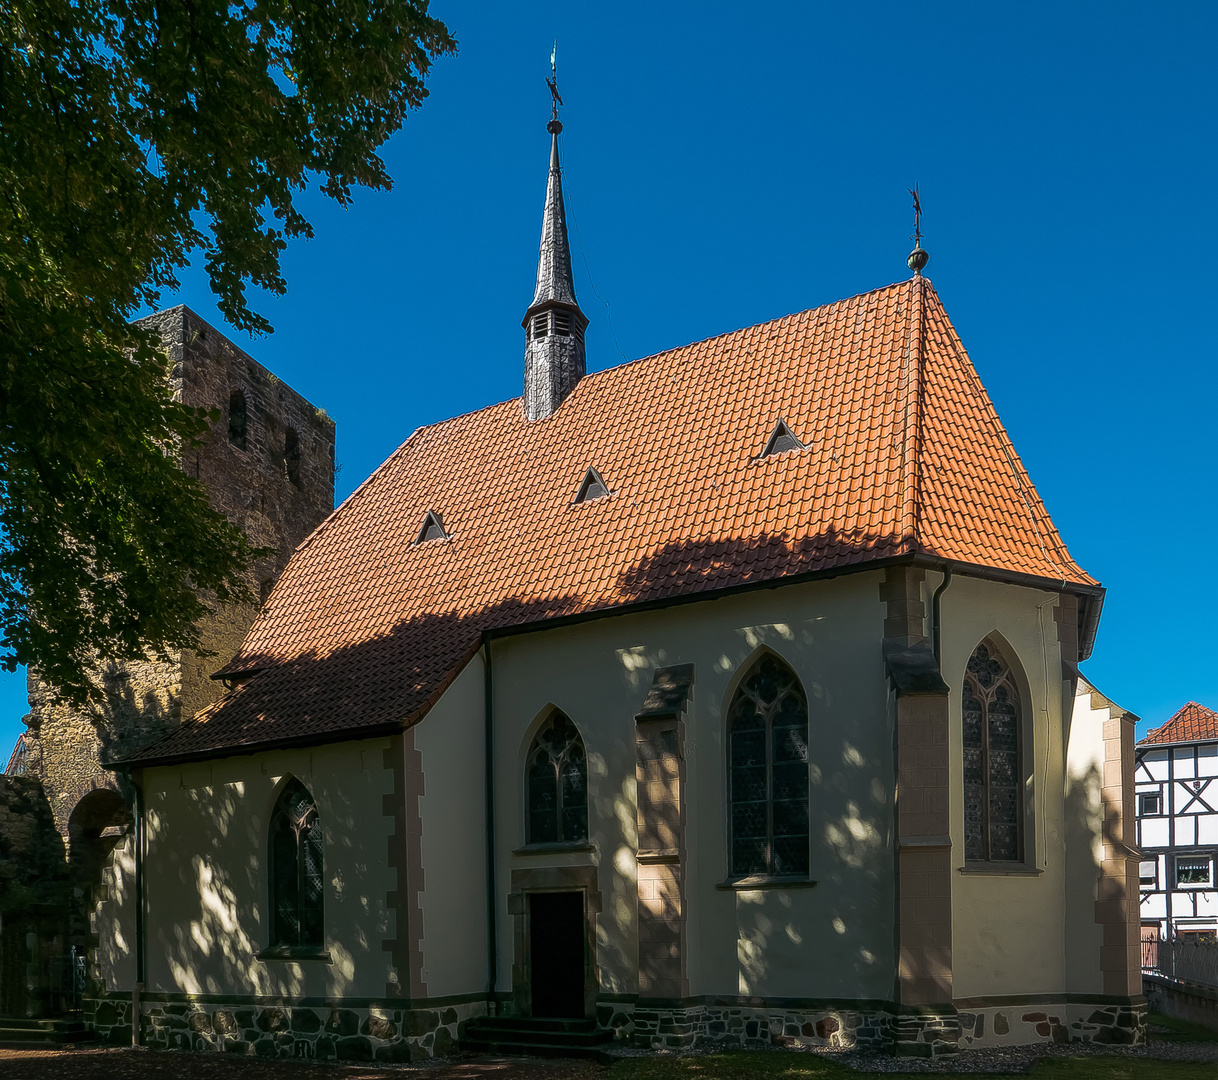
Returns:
(554, 324)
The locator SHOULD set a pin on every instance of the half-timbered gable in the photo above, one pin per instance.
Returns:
(1177, 807)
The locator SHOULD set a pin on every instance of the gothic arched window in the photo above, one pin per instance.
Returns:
(297, 884)
(768, 768)
(558, 784)
(992, 772)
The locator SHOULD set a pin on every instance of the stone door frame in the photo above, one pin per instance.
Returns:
(581, 879)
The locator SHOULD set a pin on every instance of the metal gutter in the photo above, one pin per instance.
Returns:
(935, 625)
(141, 973)
(492, 942)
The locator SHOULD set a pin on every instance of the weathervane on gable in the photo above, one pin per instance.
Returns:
(918, 258)
(555, 125)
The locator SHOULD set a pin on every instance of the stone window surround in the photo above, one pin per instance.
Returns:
(292, 954)
(581, 878)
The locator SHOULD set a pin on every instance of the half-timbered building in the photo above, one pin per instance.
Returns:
(1177, 818)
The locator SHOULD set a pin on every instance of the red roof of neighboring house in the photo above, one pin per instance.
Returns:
(16, 761)
(904, 455)
(1193, 723)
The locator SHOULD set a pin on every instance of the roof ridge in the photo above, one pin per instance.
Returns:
(912, 379)
(1051, 544)
(751, 326)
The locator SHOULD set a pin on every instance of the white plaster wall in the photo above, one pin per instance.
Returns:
(452, 811)
(1007, 931)
(1083, 837)
(834, 940)
(113, 919)
(205, 873)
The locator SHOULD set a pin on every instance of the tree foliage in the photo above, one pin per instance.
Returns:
(133, 133)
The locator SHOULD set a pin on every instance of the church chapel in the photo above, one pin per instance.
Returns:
(724, 695)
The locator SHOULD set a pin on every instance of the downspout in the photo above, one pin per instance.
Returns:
(492, 944)
(935, 622)
(140, 952)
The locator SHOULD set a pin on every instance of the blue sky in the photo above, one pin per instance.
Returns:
(725, 165)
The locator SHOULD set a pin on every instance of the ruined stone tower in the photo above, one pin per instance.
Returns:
(268, 464)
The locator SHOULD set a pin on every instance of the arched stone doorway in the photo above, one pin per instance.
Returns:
(97, 823)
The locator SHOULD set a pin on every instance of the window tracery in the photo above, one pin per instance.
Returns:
(296, 869)
(992, 769)
(557, 784)
(768, 755)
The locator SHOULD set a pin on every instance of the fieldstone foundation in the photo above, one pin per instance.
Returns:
(1022, 1025)
(926, 1033)
(680, 1027)
(311, 1032)
(922, 1033)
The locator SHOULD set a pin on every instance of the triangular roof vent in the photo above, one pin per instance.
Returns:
(593, 487)
(781, 440)
(433, 529)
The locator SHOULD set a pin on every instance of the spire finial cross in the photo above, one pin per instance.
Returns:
(918, 258)
(917, 209)
(552, 83)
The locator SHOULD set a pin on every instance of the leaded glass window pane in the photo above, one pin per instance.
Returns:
(297, 872)
(993, 773)
(558, 785)
(768, 772)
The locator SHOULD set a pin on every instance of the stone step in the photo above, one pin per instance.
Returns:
(536, 1036)
(13, 1023)
(532, 1024)
(24, 1032)
(536, 1049)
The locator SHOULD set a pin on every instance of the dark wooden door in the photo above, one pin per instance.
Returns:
(556, 951)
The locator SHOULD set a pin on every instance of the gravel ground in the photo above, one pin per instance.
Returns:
(1021, 1058)
(1010, 1059)
(141, 1064)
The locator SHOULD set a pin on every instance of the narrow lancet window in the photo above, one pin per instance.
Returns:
(557, 784)
(296, 869)
(291, 456)
(768, 748)
(992, 770)
(237, 419)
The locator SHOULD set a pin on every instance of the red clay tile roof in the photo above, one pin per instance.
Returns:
(1193, 723)
(905, 455)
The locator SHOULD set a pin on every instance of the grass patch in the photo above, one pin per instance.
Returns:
(1121, 1068)
(1179, 1031)
(762, 1065)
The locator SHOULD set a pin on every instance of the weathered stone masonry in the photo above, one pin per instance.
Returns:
(268, 465)
(302, 1029)
(251, 486)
